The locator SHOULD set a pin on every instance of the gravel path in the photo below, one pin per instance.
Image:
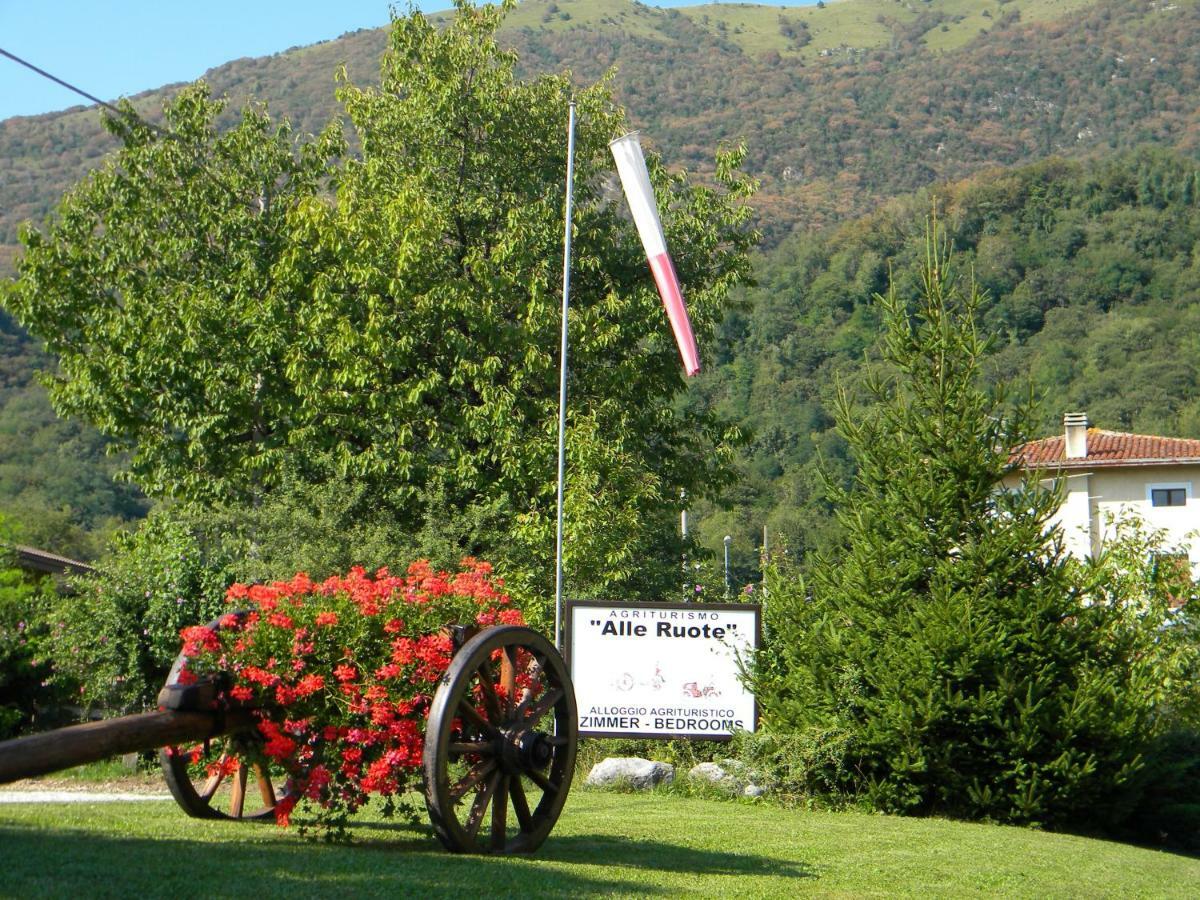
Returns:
(75, 797)
(73, 790)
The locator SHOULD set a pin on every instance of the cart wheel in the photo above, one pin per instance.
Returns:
(213, 781)
(217, 784)
(500, 743)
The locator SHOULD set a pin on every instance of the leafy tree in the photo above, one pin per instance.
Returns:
(947, 643)
(153, 288)
(232, 317)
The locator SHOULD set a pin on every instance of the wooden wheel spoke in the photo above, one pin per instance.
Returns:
(472, 715)
(479, 772)
(487, 687)
(479, 807)
(521, 805)
(500, 813)
(557, 740)
(542, 781)
(508, 677)
(543, 706)
(531, 693)
(482, 748)
(237, 799)
(214, 780)
(265, 789)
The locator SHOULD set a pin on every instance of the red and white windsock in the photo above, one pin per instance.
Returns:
(631, 167)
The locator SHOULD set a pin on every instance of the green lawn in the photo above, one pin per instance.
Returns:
(604, 844)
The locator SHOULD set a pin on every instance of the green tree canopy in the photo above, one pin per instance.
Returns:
(228, 309)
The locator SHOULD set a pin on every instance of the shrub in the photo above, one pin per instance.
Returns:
(22, 675)
(806, 768)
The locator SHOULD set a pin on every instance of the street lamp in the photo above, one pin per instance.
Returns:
(728, 541)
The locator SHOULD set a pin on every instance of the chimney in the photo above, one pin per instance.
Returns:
(1076, 425)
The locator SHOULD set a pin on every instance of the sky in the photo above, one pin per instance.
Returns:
(123, 47)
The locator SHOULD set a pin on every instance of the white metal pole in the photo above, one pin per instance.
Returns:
(562, 379)
(728, 583)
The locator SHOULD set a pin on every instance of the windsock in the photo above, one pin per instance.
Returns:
(631, 167)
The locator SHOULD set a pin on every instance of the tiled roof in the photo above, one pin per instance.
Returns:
(1109, 448)
(43, 561)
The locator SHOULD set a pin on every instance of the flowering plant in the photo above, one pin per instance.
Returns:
(339, 675)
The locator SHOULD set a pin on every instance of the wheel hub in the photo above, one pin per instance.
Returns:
(525, 751)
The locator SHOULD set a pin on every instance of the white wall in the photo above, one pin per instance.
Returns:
(1126, 490)
(1093, 496)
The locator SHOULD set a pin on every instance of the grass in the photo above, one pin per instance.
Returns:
(612, 844)
(755, 28)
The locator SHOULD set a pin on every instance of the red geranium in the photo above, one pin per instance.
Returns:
(342, 672)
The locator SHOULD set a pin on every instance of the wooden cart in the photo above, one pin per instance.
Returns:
(495, 775)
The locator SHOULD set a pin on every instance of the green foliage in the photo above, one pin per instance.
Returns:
(1089, 272)
(233, 319)
(970, 669)
(153, 289)
(21, 674)
(802, 768)
(114, 638)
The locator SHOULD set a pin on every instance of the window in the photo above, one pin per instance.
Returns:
(1168, 497)
(1169, 494)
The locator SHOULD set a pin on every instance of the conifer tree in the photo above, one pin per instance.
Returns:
(946, 645)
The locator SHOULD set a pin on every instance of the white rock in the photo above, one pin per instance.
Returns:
(753, 790)
(630, 770)
(709, 771)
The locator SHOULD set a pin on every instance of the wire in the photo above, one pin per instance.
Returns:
(81, 92)
(127, 114)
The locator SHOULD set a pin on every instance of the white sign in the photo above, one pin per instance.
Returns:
(665, 670)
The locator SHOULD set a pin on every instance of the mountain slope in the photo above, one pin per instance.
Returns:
(1092, 272)
(842, 108)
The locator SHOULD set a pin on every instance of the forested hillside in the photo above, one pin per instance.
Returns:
(842, 109)
(1092, 270)
(839, 107)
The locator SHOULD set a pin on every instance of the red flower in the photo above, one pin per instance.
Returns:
(283, 810)
(199, 638)
(309, 684)
(404, 651)
(348, 719)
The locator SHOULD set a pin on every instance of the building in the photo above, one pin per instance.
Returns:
(1108, 474)
(43, 562)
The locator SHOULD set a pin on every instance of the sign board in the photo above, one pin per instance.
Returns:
(662, 670)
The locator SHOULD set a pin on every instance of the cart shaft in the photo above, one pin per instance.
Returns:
(39, 754)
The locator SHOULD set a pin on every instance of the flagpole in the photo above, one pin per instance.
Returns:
(562, 379)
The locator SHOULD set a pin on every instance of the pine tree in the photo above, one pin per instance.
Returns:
(945, 644)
